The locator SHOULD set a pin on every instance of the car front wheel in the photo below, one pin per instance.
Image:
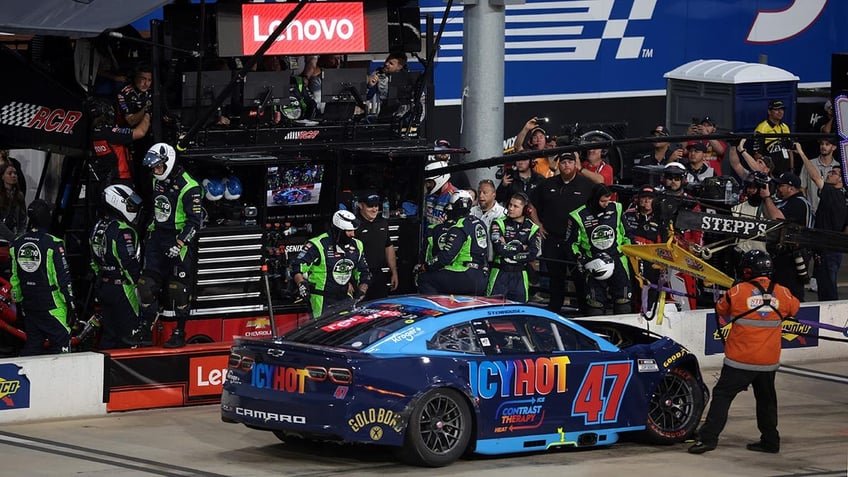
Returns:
(439, 429)
(675, 408)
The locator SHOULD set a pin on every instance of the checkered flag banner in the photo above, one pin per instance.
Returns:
(17, 114)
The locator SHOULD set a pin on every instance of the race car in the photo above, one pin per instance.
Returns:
(438, 376)
(292, 195)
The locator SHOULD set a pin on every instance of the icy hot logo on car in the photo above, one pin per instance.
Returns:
(527, 377)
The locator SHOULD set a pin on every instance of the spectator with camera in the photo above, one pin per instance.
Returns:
(779, 148)
(790, 261)
(823, 164)
(713, 148)
(832, 215)
(519, 178)
(663, 152)
(533, 137)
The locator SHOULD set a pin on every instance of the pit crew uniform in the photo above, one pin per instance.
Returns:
(645, 229)
(603, 231)
(752, 355)
(459, 264)
(111, 148)
(41, 285)
(331, 269)
(176, 216)
(114, 259)
(435, 203)
(515, 244)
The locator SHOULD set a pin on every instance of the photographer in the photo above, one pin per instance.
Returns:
(519, 178)
(533, 137)
(790, 262)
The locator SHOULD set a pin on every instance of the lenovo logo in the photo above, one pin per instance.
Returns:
(206, 375)
(318, 28)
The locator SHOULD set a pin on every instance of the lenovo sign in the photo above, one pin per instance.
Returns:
(319, 28)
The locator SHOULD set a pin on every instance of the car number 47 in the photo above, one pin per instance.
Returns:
(599, 397)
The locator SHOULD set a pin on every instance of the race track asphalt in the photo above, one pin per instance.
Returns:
(813, 400)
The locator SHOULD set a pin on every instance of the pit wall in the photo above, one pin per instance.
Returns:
(92, 384)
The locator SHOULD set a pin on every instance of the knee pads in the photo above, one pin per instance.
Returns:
(147, 290)
(178, 293)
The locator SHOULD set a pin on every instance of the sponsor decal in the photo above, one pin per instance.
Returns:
(33, 116)
(359, 318)
(270, 416)
(294, 248)
(278, 378)
(407, 335)
(296, 135)
(683, 352)
(207, 375)
(774, 26)
(29, 257)
(735, 226)
(795, 335)
(258, 327)
(318, 28)
(647, 365)
(518, 415)
(371, 416)
(527, 377)
(14, 387)
(341, 392)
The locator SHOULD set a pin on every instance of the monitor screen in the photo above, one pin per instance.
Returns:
(264, 86)
(212, 84)
(294, 184)
(339, 84)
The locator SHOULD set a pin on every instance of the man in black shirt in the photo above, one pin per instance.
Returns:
(795, 209)
(552, 202)
(832, 215)
(379, 251)
(521, 178)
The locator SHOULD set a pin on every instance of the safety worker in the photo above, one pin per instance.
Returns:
(41, 285)
(331, 270)
(460, 264)
(600, 234)
(755, 306)
(515, 242)
(169, 248)
(115, 261)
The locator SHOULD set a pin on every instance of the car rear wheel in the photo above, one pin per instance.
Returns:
(675, 408)
(439, 429)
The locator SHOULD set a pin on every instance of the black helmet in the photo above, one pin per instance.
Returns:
(755, 263)
(459, 205)
(102, 111)
(39, 214)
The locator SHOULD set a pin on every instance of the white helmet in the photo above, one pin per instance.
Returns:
(440, 180)
(214, 189)
(161, 153)
(345, 220)
(123, 200)
(600, 267)
(674, 169)
(460, 204)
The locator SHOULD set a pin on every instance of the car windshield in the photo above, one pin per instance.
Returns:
(360, 327)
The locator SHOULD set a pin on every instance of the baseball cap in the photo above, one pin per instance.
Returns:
(789, 178)
(708, 120)
(699, 146)
(776, 104)
(567, 156)
(646, 190)
(659, 131)
(442, 143)
(371, 200)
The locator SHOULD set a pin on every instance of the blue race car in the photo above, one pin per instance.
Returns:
(437, 376)
(292, 195)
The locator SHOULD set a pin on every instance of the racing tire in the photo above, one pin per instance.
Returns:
(199, 339)
(675, 408)
(438, 431)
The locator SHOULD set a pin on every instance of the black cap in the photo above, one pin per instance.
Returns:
(646, 191)
(789, 178)
(697, 145)
(708, 120)
(660, 131)
(371, 199)
(776, 104)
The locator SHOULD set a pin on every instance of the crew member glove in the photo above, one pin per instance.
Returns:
(303, 290)
(174, 251)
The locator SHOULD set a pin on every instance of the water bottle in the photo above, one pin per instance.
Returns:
(728, 192)
(386, 206)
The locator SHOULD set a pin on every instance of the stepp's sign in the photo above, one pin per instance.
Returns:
(318, 28)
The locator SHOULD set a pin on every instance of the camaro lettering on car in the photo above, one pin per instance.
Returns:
(375, 416)
(278, 378)
(270, 416)
(526, 377)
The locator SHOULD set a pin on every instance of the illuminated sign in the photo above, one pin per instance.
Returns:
(318, 28)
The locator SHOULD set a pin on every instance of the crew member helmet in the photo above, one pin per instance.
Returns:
(214, 189)
(755, 263)
(440, 179)
(601, 267)
(459, 205)
(345, 220)
(122, 200)
(232, 188)
(39, 214)
(161, 153)
(102, 111)
(674, 169)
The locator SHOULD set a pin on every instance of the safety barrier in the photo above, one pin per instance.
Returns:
(92, 384)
